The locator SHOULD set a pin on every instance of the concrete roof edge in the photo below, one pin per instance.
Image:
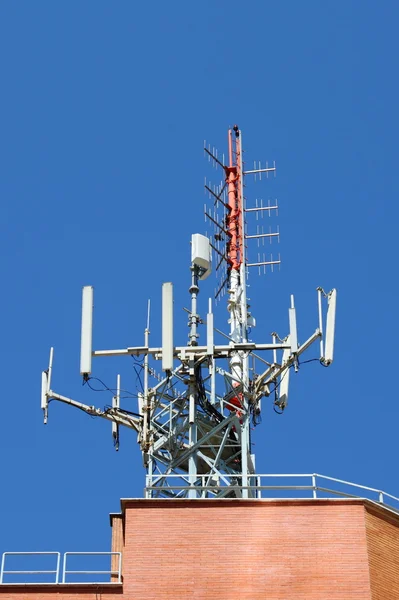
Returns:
(373, 505)
(198, 501)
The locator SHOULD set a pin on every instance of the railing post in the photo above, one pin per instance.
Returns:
(64, 567)
(381, 497)
(2, 566)
(57, 574)
(314, 486)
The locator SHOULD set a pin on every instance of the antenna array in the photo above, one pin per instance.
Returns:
(199, 400)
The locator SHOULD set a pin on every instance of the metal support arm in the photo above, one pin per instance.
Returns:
(275, 370)
(116, 415)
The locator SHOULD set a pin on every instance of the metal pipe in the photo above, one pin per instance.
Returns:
(194, 291)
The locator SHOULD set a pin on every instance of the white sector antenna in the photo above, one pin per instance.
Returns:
(87, 330)
(46, 385)
(330, 328)
(284, 380)
(167, 326)
(293, 327)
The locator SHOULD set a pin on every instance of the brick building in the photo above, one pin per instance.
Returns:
(225, 549)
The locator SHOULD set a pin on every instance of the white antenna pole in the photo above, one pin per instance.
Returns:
(148, 314)
(50, 368)
(87, 331)
(245, 434)
(146, 343)
(147, 458)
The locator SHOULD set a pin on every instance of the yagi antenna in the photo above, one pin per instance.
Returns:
(86, 340)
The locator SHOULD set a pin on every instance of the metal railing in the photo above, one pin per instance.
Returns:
(61, 572)
(110, 572)
(55, 572)
(260, 486)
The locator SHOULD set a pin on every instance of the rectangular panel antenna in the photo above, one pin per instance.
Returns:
(201, 254)
(87, 330)
(293, 327)
(116, 404)
(284, 380)
(44, 400)
(209, 330)
(46, 385)
(167, 326)
(330, 328)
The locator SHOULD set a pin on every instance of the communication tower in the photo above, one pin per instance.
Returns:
(200, 399)
(197, 406)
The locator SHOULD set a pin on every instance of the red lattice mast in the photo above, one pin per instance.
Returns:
(235, 206)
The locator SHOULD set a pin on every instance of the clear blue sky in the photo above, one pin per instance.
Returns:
(104, 108)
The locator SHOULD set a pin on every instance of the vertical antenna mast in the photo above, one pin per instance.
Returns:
(237, 303)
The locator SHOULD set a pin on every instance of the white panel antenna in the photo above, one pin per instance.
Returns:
(87, 331)
(209, 330)
(116, 405)
(293, 327)
(167, 326)
(284, 380)
(320, 308)
(330, 328)
(201, 254)
(46, 385)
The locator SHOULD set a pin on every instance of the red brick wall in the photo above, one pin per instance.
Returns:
(383, 550)
(222, 550)
(243, 550)
(117, 543)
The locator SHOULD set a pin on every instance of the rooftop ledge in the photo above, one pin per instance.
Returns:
(138, 503)
(275, 487)
(100, 587)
